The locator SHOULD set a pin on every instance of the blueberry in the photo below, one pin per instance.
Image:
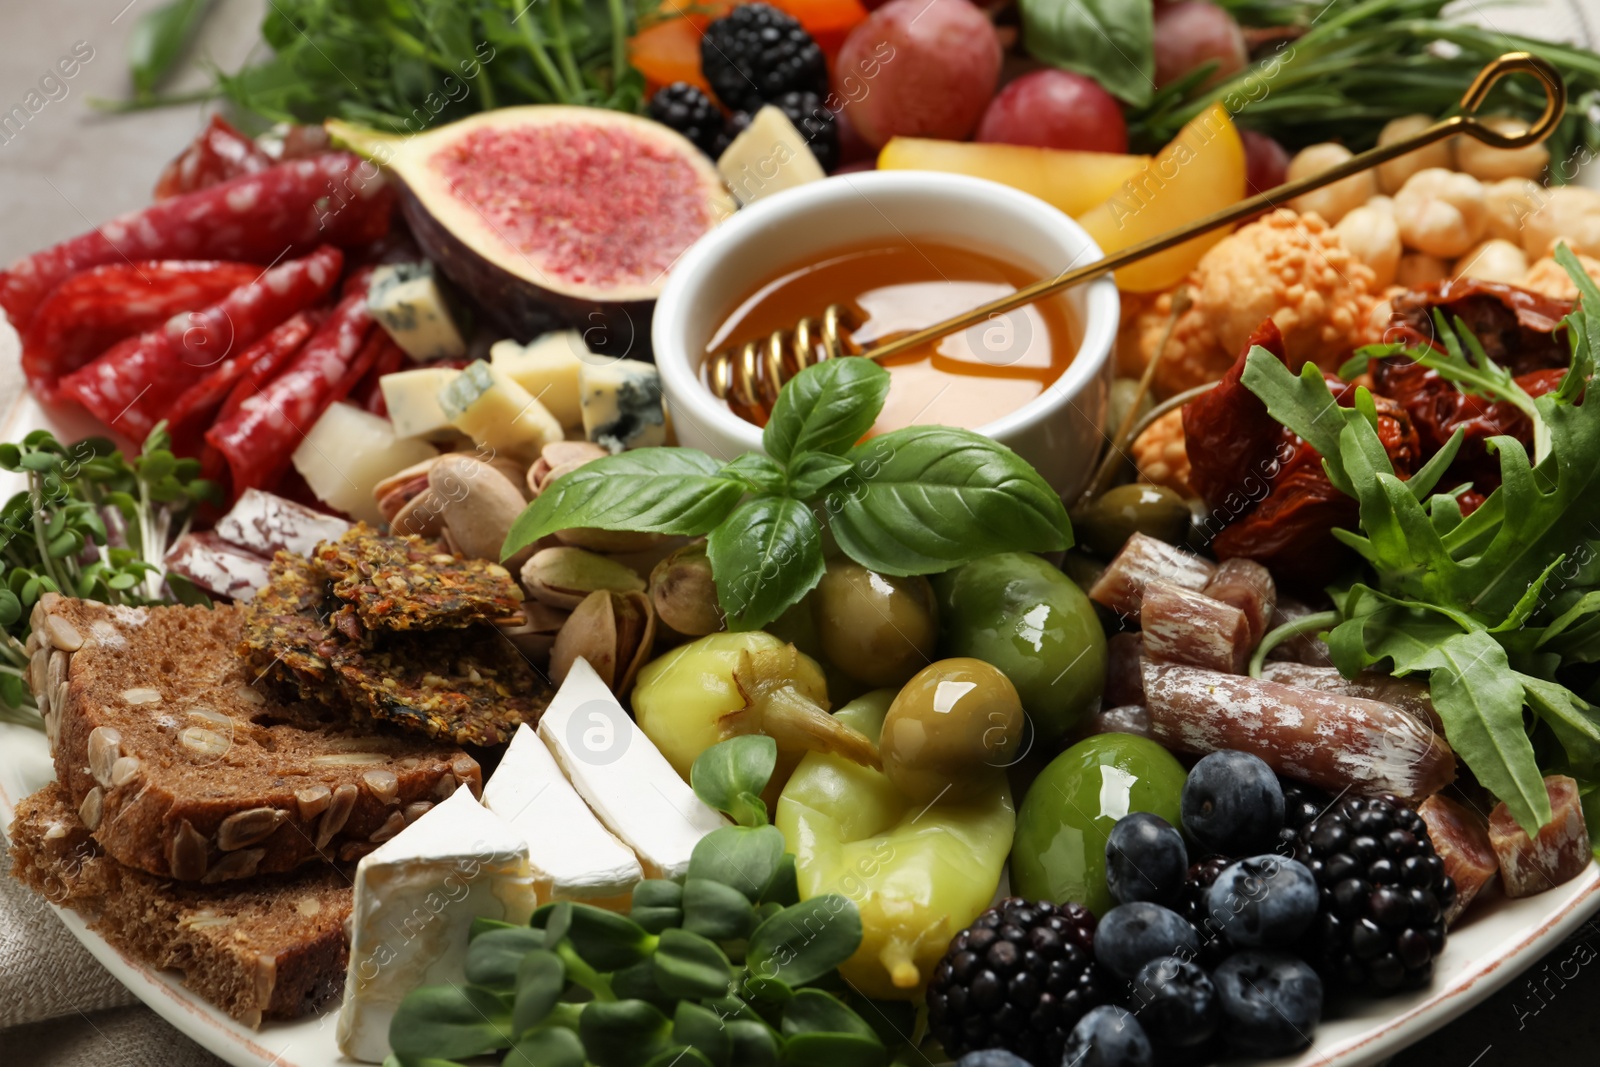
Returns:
(1233, 804)
(1270, 1001)
(992, 1057)
(1145, 860)
(1108, 1036)
(1175, 1001)
(1263, 902)
(1131, 935)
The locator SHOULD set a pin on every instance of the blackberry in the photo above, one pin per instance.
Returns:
(687, 109)
(1018, 978)
(756, 53)
(1383, 893)
(1192, 905)
(1301, 804)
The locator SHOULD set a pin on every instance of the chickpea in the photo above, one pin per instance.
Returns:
(1335, 201)
(1492, 164)
(1440, 212)
(1373, 236)
(1417, 270)
(1569, 214)
(1510, 202)
(1395, 173)
(1493, 261)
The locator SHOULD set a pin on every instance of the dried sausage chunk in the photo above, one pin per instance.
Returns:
(1556, 854)
(1461, 838)
(1182, 626)
(1143, 560)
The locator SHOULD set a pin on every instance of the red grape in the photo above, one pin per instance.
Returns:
(1191, 33)
(918, 68)
(1055, 109)
(1266, 164)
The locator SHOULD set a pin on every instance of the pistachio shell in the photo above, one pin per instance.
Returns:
(683, 593)
(536, 635)
(479, 505)
(561, 577)
(615, 632)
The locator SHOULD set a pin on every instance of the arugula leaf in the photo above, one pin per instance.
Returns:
(766, 556)
(825, 408)
(660, 490)
(1111, 41)
(931, 497)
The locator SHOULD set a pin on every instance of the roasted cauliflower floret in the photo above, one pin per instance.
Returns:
(1548, 277)
(1160, 455)
(1291, 268)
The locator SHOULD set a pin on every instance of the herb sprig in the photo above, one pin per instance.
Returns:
(1496, 606)
(914, 501)
(725, 966)
(89, 524)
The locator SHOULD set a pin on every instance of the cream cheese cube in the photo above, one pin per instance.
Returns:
(623, 776)
(415, 899)
(573, 856)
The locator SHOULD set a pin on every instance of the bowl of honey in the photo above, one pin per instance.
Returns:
(901, 250)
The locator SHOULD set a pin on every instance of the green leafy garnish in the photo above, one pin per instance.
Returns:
(915, 501)
(1112, 41)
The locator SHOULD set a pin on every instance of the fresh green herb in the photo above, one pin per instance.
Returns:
(89, 524)
(1111, 41)
(408, 66)
(915, 501)
(715, 969)
(1495, 606)
(1359, 63)
(159, 38)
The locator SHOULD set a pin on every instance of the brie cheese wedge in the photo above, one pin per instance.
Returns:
(415, 899)
(572, 855)
(623, 776)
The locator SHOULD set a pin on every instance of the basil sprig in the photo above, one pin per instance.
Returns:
(915, 501)
(659, 986)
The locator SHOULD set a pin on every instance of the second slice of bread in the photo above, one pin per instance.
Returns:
(181, 767)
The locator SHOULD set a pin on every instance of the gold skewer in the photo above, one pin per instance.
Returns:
(751, 375)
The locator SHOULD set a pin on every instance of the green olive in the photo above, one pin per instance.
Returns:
(877, 629)
(1123, 392)
(951, 730)
(1105, 525)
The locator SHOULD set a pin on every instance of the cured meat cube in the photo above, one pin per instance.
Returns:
(1461, 838)
(1182, 626)
(1407, 694)
(1328, 740)
(1248, 586)
(1143, 560)
(1124, 670)
(267, 524)
(216, 567)
(1556, 854)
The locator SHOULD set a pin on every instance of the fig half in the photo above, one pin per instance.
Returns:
(553, 217)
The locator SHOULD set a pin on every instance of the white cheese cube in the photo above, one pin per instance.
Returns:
(415, 899)
(623, 776)
(548, 368)
(348, 452)
(406, 300)
(412, 397)
(573, 856)
(622, 406)
(496, 412)
(768, 157)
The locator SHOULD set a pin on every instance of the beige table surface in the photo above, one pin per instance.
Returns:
(70, 167)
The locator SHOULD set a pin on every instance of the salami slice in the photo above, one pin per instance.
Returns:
(136, 383)
(219, 152)
(257, 363)
(259, 437)
(94, 309)
(287, 210)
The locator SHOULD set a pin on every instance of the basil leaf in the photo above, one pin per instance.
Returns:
(494, 956)
(815, 471)
(732, 773)
(712, 909)
(744, 858)
(690, 966)
(802, 943)
(825, 408)
(655, 490)
(541, 979)
(623, 1033)
(449, 1022)
(759, 471)
(765, 557)
(552, 1047)
(932, 497)
(1112, 41)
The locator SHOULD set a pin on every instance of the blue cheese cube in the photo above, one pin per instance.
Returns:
(622, 406)
(406, 300)
(486, 405)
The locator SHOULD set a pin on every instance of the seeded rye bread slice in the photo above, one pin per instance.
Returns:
(180, 767)
(273, 948)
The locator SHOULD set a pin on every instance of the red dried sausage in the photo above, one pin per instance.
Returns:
(257, 363)
(217, 153)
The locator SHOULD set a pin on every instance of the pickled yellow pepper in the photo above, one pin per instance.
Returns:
(917, 873)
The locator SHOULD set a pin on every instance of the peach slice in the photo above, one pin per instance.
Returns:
(1201, 171)
(1072, 181)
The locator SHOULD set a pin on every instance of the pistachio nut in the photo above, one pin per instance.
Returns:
(615, 632)
(536, 634)
(683, 593)
(479, 504)
(406, 502)
(562, 576)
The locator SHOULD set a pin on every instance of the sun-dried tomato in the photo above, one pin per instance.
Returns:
(1520, 330)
